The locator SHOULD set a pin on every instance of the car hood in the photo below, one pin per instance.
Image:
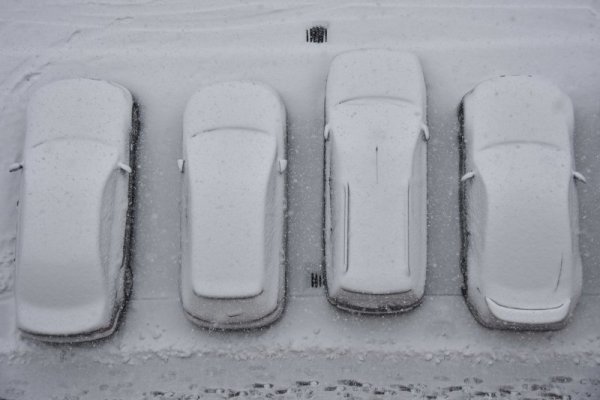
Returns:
(500, 110)
(73, 100)
(375, 73)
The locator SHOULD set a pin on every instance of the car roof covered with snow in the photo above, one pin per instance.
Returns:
(230, 247)
(373, 149)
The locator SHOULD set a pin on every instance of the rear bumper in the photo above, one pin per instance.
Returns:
(85, 336)
(369, 303)
(234, 314)
(62, 333)
(260, 322)
(529, 316)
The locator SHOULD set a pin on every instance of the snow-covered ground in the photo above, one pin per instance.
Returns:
(163, 51)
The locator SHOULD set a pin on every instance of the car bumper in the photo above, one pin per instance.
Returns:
(66, 333)
(542, 317)
(370, 303)
(209, 322)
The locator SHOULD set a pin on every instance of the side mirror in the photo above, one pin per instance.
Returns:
(15, 167)
(578, 176)
(425, 132)
(468, 176)
(326, 132)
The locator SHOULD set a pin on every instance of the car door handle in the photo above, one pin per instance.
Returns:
(180, 164)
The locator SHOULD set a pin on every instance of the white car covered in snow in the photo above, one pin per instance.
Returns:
(375, 181)
(75, 210)
(519, 204)
(234, 199)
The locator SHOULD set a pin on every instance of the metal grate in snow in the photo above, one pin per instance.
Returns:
(316, 280)
(316, 34)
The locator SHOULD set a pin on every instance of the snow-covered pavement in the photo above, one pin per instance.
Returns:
(163, 52)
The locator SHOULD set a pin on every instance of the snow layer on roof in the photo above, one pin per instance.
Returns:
(229, 174)
(373, 147)
(376, 73)
(62, 109)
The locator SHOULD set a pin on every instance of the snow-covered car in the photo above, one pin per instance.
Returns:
(234, 200)
(76, 210)
(519, 205)
(375, 181)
